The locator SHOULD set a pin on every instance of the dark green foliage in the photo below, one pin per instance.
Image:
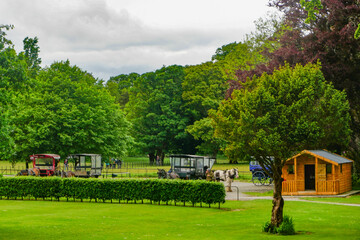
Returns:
(156, 111)
(268, 227)
(286, 227)
(108, 189)
(355, 181)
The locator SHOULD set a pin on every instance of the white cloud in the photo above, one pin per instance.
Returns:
(110, 37)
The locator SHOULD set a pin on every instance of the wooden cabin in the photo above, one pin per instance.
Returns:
(316, 172)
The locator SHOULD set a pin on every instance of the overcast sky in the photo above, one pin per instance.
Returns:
(111, 37)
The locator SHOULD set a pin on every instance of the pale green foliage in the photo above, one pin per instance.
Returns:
(357, 32)
(312, 7)
(291, 110)
(268, 31)
(31, 52)
(222, 52)
(4, 42)
(243, 57)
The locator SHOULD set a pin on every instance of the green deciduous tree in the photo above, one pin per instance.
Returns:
(155, 109)
(68, 112)
(204, 88)
(14, 80)
(31, 53)
(119, 87)
(283, 113)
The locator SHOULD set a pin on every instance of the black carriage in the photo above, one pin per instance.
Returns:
(191, 166)
(259, 176)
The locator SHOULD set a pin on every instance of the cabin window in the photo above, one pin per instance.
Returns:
(290, 169)
(328, 168)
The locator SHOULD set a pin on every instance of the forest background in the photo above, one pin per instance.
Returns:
(64, 109)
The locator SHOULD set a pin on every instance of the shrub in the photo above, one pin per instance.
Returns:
(109, 189)
(355, 180)
(268, 227)
(1, 175)
(285, 228)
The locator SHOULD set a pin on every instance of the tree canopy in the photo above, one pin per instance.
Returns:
(283, 113)
(155, 109)
(328, 38)
(68, 112)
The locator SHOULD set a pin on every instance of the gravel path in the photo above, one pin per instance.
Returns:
(238, 189)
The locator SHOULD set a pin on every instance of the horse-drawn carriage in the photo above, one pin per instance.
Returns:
(86, 165)
(46, 164)
(190, 166)
(259, 176)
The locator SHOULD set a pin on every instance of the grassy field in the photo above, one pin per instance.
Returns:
(236, 220)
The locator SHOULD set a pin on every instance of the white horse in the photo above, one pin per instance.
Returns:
(232, 173)
(227, 176)
(224, 174)
(220, 175)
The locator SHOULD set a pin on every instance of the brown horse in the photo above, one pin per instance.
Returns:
(69, 174)
(35, 171)
(29, 172)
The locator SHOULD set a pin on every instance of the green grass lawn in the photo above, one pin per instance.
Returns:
(261, 194)
(351, 199)
(236, 220)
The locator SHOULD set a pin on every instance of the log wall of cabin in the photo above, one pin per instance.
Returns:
(345, 177)
(342, 174)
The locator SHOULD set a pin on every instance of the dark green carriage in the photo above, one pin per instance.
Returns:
(191, 166)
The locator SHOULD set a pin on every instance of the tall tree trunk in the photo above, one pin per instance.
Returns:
(278, 202)
(151, 158)
(162, 159)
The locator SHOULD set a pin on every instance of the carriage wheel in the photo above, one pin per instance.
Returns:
(258, 178)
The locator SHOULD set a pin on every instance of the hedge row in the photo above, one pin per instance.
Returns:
(110, 189)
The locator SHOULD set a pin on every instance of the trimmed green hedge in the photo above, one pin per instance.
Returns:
(110, 189)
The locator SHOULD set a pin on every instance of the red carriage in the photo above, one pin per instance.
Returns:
(45, 163)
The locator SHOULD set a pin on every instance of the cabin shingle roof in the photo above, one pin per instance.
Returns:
(331, 156)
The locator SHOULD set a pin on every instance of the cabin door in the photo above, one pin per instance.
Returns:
(309, 177)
